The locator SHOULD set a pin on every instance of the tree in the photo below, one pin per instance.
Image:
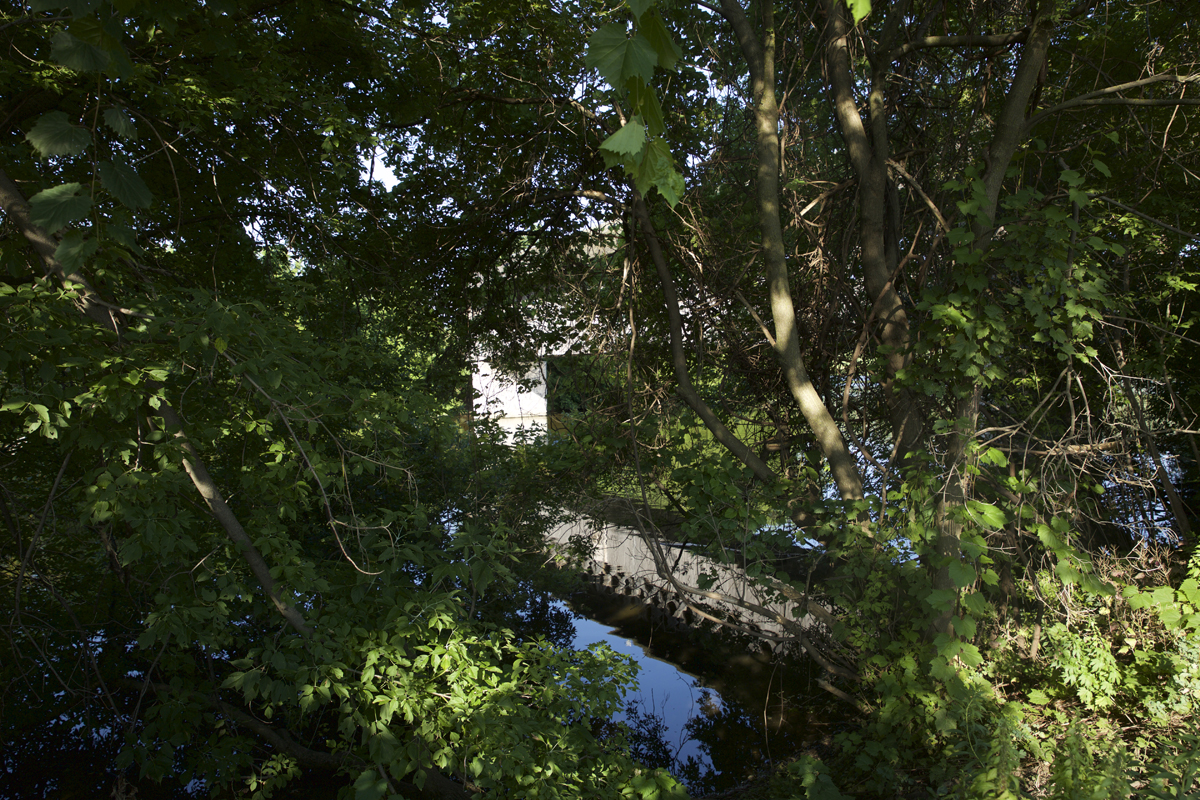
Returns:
(232, 395)
(245, 535)
(968, 285)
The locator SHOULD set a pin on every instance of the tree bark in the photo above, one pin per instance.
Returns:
(1010, 129)
(956, 492)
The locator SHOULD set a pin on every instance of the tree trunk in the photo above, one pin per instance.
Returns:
(760, 56)
(868, 158)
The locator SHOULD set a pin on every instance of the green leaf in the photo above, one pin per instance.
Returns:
(1163, 596)
(77, 54)
(1068, 573)
(124, 183)
(54, 135)
(640, 7)
(1038, 697)
(942, 599)
(1049, 539)
(628, 141)
(370, 786)
(54, 208)
(657, 170)
(643, 102)
(619, 57)
(970, 655)
(993, 456)
(986, 514)
(1170, 616)
(73, 250)
(1093, 585)
(976, 603)
(1190, 589)
(651, 26)
(964, 627)
(122, 235)
(131, 551)
(962, 574)
(858, 9)
(119, 120)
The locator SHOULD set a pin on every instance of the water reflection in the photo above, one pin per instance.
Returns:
(659, 709)
(712, 713)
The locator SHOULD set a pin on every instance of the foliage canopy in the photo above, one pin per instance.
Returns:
(906, 289)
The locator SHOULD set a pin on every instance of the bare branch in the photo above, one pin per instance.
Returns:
(916, 187)
(975, 40)
(1105, 97)
(1147, 217)
(688, 392)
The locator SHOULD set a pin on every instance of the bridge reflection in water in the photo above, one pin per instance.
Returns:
(727, 707)
(623, 563)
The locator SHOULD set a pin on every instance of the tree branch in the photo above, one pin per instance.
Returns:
(869, 162)
(973, 40)
(675, 322)
(1148, 218)
(1010, 126)
(1104, 97)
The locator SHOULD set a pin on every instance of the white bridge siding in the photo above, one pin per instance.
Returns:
(500, 397)
(623, 564)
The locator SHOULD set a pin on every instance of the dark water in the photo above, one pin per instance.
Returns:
(713, 710)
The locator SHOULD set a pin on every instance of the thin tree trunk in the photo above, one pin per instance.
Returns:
(760, 56)
(868, 157)
(686, 390)
(955, 494)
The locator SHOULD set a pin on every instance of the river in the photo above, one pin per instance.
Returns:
(708, 708)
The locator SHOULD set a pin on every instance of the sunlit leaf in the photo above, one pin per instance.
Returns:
(859, 9)
(976, 603)
(993, 456)
(54, 208)
(1190, 590)
(619, 57)
(54, 135)
(629, 140)
(987, 514)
